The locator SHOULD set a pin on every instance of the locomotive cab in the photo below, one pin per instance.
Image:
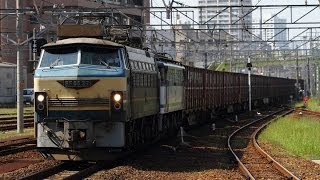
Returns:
(80, 98)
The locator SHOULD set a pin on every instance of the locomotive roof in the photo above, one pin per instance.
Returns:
(92, 41)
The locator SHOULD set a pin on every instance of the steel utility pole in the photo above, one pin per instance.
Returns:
(249, 66)
(309, 91)
(206, 60)
(34, 51)
(297, 74)
(20, 84)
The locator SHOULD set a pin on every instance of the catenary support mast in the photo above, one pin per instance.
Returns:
(20, 84)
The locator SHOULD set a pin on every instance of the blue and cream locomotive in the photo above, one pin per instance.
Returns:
(94, 96)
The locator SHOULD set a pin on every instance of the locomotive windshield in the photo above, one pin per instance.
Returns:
(90, 55)
(100, 56)
(59, 57)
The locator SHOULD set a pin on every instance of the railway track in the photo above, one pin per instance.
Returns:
(187, 160)
(70, 170)
(22, 145)
(4, 117)
(308, 112)
(253, 161)
(10, 123)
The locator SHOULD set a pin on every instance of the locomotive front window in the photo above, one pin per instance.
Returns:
(59, 57)
(100, 56)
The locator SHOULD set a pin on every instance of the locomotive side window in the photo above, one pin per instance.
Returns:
(59, 57)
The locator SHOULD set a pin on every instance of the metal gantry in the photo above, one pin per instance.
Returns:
(207, 42)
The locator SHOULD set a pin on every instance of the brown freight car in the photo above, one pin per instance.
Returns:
(210, 92)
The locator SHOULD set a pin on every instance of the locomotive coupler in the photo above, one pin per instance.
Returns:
(77, 135)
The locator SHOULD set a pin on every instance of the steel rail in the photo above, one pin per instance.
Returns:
(14, 121)
(309, 112)
(46, 172)
(60, 171)
(88, 171)
(15, 141)
(14, 117)
(8, 127)
(272, 161)
(242, 167)
(17, 147)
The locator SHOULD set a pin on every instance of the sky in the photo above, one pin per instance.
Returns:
(159, 3)
(254, 2)
(297, 12)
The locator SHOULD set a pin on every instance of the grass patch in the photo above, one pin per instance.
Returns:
(313, 104)
(13, 111)
(9, 134)
(298, 136)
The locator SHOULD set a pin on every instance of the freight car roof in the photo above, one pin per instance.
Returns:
(170, 65)
(92, 41)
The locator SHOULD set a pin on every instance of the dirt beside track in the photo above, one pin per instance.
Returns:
(302, 168)
(197, 158)
(19, 139)
(203, 155)
(21, 164)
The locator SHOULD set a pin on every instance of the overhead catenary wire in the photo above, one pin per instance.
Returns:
(245, 28)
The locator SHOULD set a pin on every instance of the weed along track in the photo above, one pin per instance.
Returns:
(253, 161)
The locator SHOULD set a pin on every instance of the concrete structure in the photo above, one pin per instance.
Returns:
(217, 18)
(47, 23)
(8, 82)
(274, 30)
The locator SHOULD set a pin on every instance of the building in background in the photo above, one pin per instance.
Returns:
(123, 13)
(272, 30)
(234, 21)
(200, 48)
(8, 85)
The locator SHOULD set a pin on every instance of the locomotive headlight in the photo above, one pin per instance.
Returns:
(117, 97)
(40, 98)
(41, 103)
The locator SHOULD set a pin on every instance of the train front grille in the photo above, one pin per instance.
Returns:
(71, 102)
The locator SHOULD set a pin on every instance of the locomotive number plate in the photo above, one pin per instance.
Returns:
(77, 84)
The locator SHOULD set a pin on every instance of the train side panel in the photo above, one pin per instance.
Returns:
(171, 87)
(143, 85)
